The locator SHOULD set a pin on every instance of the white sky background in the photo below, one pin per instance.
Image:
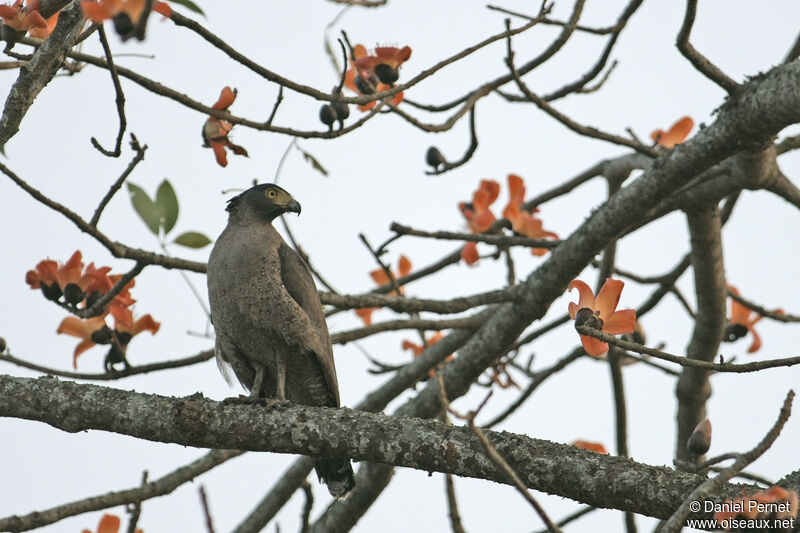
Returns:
(376, 177)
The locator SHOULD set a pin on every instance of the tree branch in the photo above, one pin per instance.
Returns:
(597, 479)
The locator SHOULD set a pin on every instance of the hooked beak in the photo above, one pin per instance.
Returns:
(293, 206)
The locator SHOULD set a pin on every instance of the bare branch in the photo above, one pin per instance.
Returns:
(120, 99)
(112, 374)
(153, 489)
(700, 62)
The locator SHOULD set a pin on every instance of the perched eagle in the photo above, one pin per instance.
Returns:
(269, 323)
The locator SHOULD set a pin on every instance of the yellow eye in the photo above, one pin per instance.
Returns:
(272, 193)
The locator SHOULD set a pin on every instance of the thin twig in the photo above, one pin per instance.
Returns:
(489, 238)
(111, 374)
(763, 311)
(698, 60)
(137, 158)
(473, 145)
(685, 361)
(99, 307)
(307, 506)
(343, 337)
(494, 456)
(120, 99)
(135, 509)
(580, 129)
(206, 509)
(278, 101)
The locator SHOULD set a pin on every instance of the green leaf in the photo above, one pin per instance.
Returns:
(313, 162)
(167, 203)
(147, 210)
(188, 4)
(192, 239)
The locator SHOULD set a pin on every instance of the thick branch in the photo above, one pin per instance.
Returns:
(600, 480)
(38, 72)
(693, 387)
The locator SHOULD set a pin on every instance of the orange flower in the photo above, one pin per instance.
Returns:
(523, 222)
(22, 18)
(742, 319)
(216, 130)
(95, 330)
(677, 133)
(361, 77)
(44, 278)
(478, 216)
(91, 331)
(417, 349)
(380, 277)
(588, 445)
(69, 279)
(604, 309)
(753, 507)
(469, 253)
(44, 33)
(110, 524)
(385, 63)
(126, 14)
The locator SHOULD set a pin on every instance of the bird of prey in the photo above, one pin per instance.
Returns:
(270, 328)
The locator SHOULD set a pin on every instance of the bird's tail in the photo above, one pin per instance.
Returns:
(337, 474)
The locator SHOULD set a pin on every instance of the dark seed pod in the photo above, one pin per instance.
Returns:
(327, 114)
(101, 336)
(386, 74)
(434, 157)
(51, 292)
(342, 111)
(113, 357)
(364, 85)
(123, 25)
(587, 317)
(2, 345)
(734, 332)
(73, 294)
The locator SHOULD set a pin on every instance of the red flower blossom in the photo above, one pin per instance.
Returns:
(361, 77)
(44, 33)
(604, 308)
(417, 349)
(741, 321)
(110, 523)
(523, 222)
(23, 18)
(478, 216)
(380, 277)
(588, 445)
(91, 331)
(69, 279)
(95, 330)
(676, 134)
(126, 14)
(216, 130)
(385, 63)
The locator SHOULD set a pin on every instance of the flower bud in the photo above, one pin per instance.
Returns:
(700, 440)
(327, 114)
(434, 157)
